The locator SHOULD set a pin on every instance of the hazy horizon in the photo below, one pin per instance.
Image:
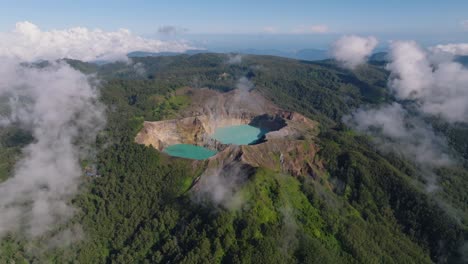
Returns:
(247, 25)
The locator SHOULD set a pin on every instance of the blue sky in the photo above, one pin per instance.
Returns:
(263, 22)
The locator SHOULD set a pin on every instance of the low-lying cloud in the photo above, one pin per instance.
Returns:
(220, 186)
(60, 107)
(28, 42)
(393, 129)
(432, 83)
(460, 49)
(440, 87)
(352, 50)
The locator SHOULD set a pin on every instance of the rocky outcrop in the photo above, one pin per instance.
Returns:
(161, 134)
(294, 157)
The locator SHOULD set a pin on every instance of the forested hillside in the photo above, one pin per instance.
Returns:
(367, 207)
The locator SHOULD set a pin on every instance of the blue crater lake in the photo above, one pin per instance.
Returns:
(189, 151)
(238, 135)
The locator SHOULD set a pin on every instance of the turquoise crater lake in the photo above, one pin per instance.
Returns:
(189, 151)
(238, 135)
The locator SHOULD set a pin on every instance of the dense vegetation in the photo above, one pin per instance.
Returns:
(368, 207)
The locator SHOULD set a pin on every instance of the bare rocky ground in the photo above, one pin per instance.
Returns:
(289, 147)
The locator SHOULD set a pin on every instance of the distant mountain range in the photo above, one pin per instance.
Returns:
(383, 58)
(139, 54)
(303, 54)
(378, 58)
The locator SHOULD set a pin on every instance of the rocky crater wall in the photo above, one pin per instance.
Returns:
(287, 147)
(198, 130)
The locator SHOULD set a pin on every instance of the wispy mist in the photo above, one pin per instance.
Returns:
(393, 129)
(452, 48)
(433, 84)
(243, 98)
(438, 84)
(139, 68)
(220, 185)
(60, 107)
(234, 58)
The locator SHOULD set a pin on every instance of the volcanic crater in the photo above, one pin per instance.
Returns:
(283, 141)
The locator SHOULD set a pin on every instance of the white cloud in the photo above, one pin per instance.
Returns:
(28, 42)
(435, 85)
(439, 86)
(396, 131)
(312, 29)
(61, 109)
(411, 69)
(353, 50)
(453, 48)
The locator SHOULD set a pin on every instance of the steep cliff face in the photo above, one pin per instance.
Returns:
(189, 130)
(209, 110)
(169, 132)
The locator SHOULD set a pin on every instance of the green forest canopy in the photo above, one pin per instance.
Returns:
(139, 211)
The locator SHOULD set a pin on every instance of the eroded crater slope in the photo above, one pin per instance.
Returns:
(285, 143)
